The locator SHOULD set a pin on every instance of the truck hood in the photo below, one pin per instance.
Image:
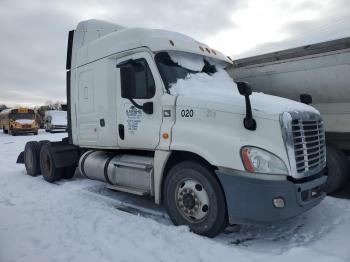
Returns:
(263, 106)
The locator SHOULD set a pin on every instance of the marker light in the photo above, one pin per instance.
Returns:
(278, 202)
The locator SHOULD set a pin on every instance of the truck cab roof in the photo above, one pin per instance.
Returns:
(95, 39)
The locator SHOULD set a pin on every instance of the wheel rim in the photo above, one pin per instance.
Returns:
(29, 159)
(192, 200)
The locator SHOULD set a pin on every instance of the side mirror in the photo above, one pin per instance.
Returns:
(306, 99)
(244, 88)
(128, 84)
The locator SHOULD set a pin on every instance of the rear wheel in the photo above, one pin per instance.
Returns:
(68, 172)
(43, 142)
(31, 158)
(47, 163)
(338, 169)
(193, 197)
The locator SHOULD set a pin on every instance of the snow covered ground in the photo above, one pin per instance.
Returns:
(80, 220)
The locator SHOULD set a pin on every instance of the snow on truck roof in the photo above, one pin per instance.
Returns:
(95, 39)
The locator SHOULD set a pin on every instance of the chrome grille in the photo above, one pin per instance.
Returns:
(308, 143)
(304, 137)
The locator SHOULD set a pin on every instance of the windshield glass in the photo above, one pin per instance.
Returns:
(196, 75)
(16, 116)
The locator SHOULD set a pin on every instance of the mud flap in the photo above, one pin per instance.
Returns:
(20, 158)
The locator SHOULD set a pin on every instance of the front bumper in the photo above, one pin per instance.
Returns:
(250, 201)
(24, 130)
(58, 128)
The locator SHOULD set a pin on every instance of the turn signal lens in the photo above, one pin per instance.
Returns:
(246, 160)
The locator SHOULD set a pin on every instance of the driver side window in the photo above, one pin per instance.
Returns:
(142, 77)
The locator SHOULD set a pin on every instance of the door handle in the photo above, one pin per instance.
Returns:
(102, 122)
(121, 131)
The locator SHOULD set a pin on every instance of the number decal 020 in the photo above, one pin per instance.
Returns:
(187, 113)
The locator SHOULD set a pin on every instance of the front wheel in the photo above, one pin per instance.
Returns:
(194, 197)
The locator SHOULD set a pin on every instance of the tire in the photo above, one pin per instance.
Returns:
(36, 133)
(32, 158)
(43, 142)
(338, 169)
(47, 164)
(204, 198)
(68, 172)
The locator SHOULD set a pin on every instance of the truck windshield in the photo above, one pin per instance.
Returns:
(174, 65)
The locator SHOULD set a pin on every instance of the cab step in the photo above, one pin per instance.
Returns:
(135, 191)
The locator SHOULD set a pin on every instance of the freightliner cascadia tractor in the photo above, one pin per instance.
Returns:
(154, 113)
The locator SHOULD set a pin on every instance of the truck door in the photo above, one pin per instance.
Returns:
(138, 128)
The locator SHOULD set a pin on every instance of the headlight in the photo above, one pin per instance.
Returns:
(261, 161)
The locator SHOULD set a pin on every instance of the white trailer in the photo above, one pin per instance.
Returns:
(320, 70)
(153, 112)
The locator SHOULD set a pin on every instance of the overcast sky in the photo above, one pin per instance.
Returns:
(34, 33)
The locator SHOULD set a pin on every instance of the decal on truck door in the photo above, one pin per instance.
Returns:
(167, 113)
(187, 113)
(133, 118)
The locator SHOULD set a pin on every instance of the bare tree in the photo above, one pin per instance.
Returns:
(2, 107)
(54, 105)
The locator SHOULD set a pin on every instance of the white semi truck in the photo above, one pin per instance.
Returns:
(153, 112)
(318, 74)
